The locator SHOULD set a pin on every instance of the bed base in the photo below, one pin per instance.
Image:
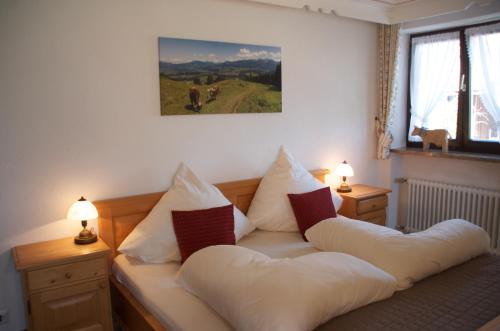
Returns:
(128, 312)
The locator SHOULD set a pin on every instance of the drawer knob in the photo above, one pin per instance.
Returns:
(68, 275)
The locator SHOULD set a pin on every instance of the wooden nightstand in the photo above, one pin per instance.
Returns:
(365, 203)
(65, 285)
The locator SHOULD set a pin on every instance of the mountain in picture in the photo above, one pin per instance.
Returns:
(206, 77)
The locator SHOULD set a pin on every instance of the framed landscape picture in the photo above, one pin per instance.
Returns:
(210, 77)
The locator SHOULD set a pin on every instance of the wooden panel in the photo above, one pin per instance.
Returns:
(348, 208)
(66, 273)
(35, 255)
(367, 205)
(118, 217)
(131, 312)
(78, 307)
(123, 225)
(379, 220)
(493, 325)
(372, 215)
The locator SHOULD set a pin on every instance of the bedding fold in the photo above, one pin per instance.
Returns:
(409, 258)
(254, 292)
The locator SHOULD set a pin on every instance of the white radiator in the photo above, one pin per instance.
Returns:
(431, 202)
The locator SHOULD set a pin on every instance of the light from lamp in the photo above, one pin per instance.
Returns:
(82, 210)
(344, 170)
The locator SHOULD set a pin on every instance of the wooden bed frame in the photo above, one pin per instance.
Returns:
(118, 217)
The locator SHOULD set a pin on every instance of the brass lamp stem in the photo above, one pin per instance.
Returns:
(85, 236)
(344, 187)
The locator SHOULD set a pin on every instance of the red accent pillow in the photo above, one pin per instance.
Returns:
(312, 207)
(197, 229)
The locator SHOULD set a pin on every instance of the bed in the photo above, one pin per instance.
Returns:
(146, 297)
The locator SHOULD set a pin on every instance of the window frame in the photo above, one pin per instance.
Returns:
(461, 143)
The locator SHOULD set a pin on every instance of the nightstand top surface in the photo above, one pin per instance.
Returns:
(55, 251)
(360, 191)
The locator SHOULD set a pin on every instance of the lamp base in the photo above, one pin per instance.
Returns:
(344, 188)
(85, 240)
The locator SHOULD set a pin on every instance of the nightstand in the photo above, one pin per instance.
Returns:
(366, 203)
(65, 285)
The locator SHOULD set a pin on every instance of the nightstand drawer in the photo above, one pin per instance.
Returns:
(372, 204)
(379, 220)
(66, 273)
(372, 215)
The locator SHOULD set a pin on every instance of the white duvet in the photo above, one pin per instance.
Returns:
(254, 292)
(409, 257)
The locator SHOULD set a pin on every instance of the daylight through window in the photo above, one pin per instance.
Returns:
(455, 85)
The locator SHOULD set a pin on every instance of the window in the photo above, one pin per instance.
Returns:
(454, 84)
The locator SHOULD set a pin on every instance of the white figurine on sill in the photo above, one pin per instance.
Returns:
(438, 137)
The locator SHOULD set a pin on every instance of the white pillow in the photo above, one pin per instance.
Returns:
(254, 292)
(408, 257)
(154, 241)
(270, 208)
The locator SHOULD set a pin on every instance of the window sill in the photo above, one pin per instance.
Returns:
(450, 155)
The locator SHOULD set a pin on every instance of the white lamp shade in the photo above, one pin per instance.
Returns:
(82, 210)
(344, 169)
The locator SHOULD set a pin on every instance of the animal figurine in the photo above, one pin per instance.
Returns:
(438, 137)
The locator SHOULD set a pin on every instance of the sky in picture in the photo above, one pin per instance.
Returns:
(176, 50)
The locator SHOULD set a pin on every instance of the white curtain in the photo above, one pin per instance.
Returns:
(435, 61)
(484, 51)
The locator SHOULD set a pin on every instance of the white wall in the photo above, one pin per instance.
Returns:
(79, 101)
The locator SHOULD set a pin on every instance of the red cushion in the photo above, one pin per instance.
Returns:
(312, 207)
(197, 229)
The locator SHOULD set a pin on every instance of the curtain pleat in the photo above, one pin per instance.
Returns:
(389, 48)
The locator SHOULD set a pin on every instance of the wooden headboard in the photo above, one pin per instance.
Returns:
(118, 217)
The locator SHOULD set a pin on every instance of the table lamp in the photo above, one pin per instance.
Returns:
(344, 170)
(83, 210)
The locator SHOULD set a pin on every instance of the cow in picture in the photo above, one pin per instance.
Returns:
(212, 93)
(194, 97)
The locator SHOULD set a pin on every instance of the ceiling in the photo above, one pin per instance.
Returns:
(384, 11)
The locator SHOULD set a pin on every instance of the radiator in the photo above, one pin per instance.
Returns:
(431, 202)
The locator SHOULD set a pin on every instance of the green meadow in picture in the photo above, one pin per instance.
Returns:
(209, 77)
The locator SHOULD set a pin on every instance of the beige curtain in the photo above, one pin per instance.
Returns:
(388, 68)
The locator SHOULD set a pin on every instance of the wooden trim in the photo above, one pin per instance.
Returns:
(118, 217)
(493, 325)
(129, 312)
(55, 252)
